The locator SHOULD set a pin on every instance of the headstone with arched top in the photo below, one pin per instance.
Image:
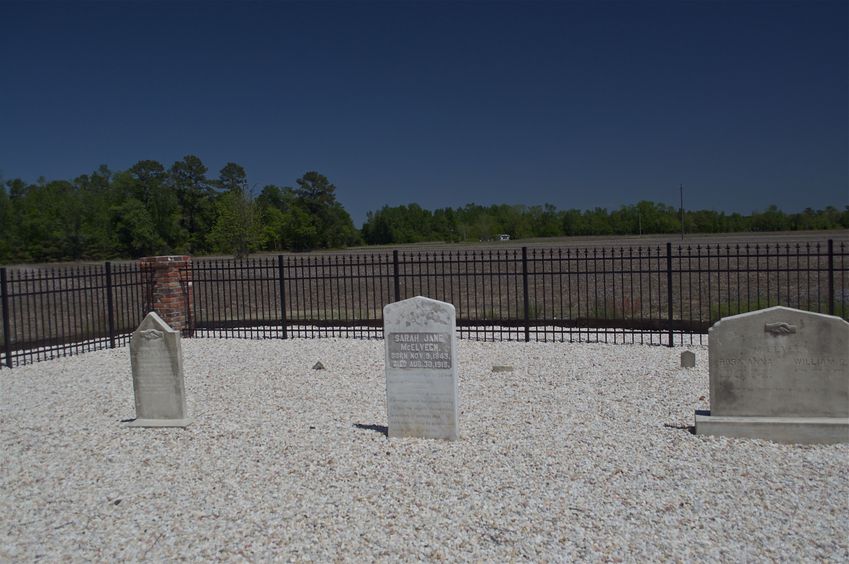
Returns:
(421, 369)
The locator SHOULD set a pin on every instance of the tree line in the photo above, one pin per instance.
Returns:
(412, 223)
(151, 210)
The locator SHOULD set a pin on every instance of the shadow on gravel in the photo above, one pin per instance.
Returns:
(376, 428)
(689, 428)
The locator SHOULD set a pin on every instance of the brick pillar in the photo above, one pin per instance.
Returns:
(170, 299)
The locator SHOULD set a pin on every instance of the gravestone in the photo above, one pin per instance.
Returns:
(779, 374)
(688, 359)
(421, 369)
(157, 362)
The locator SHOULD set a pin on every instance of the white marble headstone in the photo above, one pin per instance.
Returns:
(780, 374)
(157, 361)
(421, 369)
(780, 362)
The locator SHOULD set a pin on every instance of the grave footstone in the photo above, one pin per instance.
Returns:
(779, 374)
(688, 359)
(157, 361)
(421, 369)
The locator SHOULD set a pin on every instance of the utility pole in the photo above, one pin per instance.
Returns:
(682, 212)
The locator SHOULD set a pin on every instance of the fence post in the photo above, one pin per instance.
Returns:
(525, 292)
(110, 306)
(831, 276)
(7, 331)
(397, 275)
(171, 301)
(669, 291)
(282, 296)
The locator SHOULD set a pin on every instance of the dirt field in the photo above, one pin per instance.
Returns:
(616, 241)
(606, 241)
(584, 285)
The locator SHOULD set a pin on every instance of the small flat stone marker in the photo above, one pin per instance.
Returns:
(498, 368)
(779, 374)
(421, 369)
(157, 362)
(688, 359)
(318, 366)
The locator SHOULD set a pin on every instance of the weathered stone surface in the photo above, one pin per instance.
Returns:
(688, 359)
(799, 430)
(780, 363)
(421, 369)
(157, 362)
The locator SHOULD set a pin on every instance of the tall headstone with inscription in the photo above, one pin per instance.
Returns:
(157, 361)
(779, 374)
(421, 369)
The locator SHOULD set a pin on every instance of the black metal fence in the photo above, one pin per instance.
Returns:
(50, 312)
(661, 295)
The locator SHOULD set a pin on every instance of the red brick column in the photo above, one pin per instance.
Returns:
(172, 289)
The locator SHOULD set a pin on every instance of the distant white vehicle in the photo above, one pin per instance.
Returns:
(504, 237)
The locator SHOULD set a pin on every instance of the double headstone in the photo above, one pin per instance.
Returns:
(157, 362)
(779, 374)
(421, 369)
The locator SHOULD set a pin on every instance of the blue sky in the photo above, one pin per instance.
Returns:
(579, 104)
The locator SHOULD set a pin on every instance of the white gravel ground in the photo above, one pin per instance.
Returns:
(582, 452)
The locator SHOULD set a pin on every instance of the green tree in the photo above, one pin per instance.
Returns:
(316, 196)
(658, 218)
(148, 183)
(196, 198)
(315, 192)
(6, 227)
(285, 222)
(300, 231)
(97, 198)
(771, 219)
(445, 225)
(542, 221)
(233, 178)
(134, 229)
(50, 224)
(237, 229)
(376, 230)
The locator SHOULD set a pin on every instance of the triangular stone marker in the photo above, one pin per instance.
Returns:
(157, 361)
(318, 366)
